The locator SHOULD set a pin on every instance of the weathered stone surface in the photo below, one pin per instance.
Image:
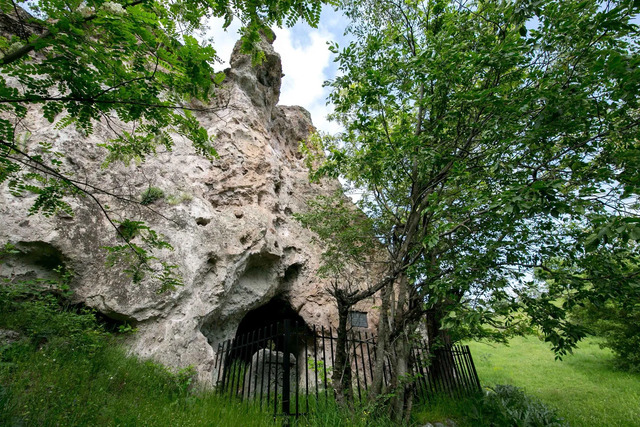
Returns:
(230, 222)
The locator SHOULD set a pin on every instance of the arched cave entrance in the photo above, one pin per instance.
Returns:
(259, 324)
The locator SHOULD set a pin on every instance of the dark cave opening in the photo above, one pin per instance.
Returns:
(263, 327)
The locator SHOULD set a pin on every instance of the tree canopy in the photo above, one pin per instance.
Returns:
(495, 142)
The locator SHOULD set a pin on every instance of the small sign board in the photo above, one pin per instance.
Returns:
(358, 319)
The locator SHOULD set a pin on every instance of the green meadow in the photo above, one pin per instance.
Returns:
(584, 387)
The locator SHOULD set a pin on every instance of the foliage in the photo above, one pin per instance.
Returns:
(498, 406)
(489, 139)
(139, 241)
(58, 381)
(319, 368)
(508, 405)
(62, 380)
(347, 234)
(42, 311)
(133, 68)
(66, 369)
(183, 197)
(617, 322)
(150, 195)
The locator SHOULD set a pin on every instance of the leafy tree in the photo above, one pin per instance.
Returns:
(135, 63)
(609, 301)
(490, 138)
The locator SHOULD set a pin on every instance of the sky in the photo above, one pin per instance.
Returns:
(306, 61)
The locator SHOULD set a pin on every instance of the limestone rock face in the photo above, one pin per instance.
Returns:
(229, 221)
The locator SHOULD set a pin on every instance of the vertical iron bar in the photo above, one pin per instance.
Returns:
(355, 361)
(475, 374)
(462, 373)
(286, 370)
(454, 372)
(217, 363)
(445, 371)
(250, 355)
(426, 355)
(268, 402)
(366, 337)
(232, 367)
(275, 391)
(468, 370)
(243, 354)
(451, 378)
(315, 356)
(262, 356)
(224, 366)
(324, 357)
(223, 356)
(333, 359)
(364, 366)
(295, 346)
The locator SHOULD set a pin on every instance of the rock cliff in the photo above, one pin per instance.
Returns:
(230, 222)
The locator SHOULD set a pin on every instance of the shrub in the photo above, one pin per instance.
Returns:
(150, 195)
(42, 311)
(618, 324)
(507, 405)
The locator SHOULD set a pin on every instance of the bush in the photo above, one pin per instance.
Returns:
(41, 310)
(507, 405)
(150, 195)
(618, 324)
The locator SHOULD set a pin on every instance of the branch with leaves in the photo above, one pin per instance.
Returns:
(137, 63)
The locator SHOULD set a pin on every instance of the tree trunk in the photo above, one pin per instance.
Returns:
(399, 379)
(382, 342)
(342, 368)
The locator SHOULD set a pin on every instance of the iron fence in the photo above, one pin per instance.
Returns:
(288, 367)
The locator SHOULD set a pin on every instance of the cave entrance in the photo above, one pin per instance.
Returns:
(268, 320)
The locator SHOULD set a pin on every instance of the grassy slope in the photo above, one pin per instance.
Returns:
(108, 388)
(61, 387)
(584, 387)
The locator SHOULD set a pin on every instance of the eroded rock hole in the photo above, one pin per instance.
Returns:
(203, 221)
(292, 272)
(33, 260)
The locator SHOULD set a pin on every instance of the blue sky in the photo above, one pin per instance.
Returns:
(306, 61)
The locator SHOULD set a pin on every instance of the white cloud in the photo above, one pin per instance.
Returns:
(305, 65)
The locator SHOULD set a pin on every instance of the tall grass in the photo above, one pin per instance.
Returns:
(50, 386)
(585, 387)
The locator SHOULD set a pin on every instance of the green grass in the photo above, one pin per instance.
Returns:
(51, 387)
(443, 408)
(585, 387)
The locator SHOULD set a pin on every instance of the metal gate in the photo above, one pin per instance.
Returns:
(288, 367)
